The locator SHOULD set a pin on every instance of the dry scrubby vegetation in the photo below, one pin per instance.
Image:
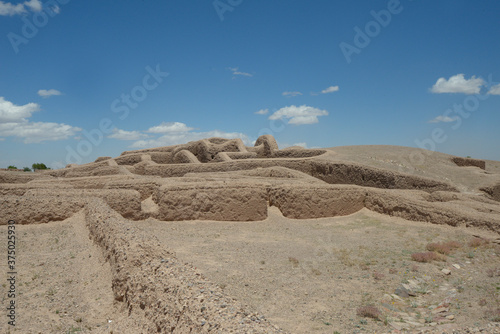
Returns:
(369, 311)
(425, 257)
(439, 250)
(436, 251)
(444, 248)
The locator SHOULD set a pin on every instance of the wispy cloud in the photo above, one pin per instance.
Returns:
(36, 132)
(170, 127)
(444, 119)
(126, 135)
(299, 115)
(8, 9)
(262, 112)
(330, 89)
(286, 145)
(495, 90)
(48, 93)
(14, 122)
(237, 72)
(458, 84)
(291, 94)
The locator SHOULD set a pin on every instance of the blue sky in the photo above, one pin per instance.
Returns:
(83, 79)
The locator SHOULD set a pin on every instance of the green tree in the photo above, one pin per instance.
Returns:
(12, 167)
(39, 166)
(27, 169)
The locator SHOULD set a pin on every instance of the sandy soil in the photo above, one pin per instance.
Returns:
(311, 276)
(64, 283)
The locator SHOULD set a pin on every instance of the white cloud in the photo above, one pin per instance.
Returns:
(495, 90)
(299, 115)
(14, 123)
(34, 5)
(458, 84)
(184, 137)
(236, 72)
(262, 112)
(8, 9)
(47, 93)
(9, 112)
(126, 135)
(291, 94)
(444, 119)
(36, 132)
(330, 89)
(169, 127)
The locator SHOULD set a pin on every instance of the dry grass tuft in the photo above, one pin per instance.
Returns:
(477, 242)
(493, 315)
(294, 261)
(493, 272)
(443, 247)
(425, 257)
(316, 272)
(378, 276)
(369, 311)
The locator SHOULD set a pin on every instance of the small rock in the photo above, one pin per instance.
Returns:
(397, 297)
(446, 271)
(439, 309)
(398, 325)
(402, 292)
(450, 317)
(433, 324)
(416, 324)
(456, 266)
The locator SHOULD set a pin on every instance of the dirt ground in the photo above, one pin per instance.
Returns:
(64, 284)
(312, 275)
(305, 275)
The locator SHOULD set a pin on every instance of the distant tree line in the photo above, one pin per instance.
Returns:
(34, 167)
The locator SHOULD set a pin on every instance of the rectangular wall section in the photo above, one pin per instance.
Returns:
(225, 202)
(317, 202)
